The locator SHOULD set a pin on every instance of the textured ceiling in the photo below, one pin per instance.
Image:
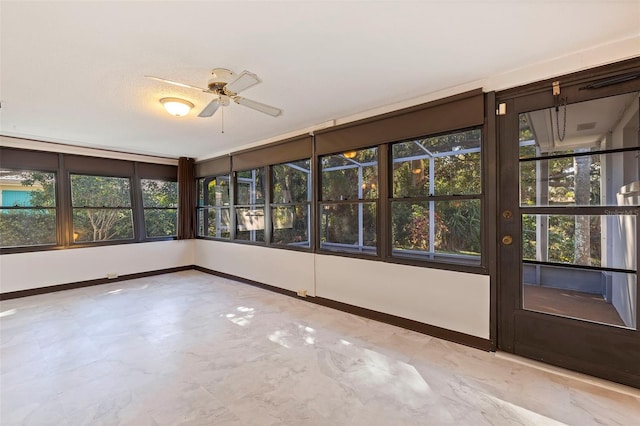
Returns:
(73, 72)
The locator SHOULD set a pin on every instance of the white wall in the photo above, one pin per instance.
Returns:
(452, 300)
(287, 269)
(22, 271)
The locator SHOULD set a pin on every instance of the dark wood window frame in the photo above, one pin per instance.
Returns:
(433, 257)
(55, 208)
(289, 150)
(362, 251)
(457, 113)
(145, 209)
(266, 171)
(307, 204)
(63, 165)
(202, 183)
(75, 208)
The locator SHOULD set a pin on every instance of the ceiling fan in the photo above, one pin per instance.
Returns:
(226, 86)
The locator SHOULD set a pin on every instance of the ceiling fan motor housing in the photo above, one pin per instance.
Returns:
(220, 78)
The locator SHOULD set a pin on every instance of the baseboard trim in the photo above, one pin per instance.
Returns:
(420, 327)
(431, 330)
(89, 283)
(250, 282)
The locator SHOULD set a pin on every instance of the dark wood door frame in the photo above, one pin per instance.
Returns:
(577, 345)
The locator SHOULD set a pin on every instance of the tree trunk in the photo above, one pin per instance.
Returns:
(582, 236)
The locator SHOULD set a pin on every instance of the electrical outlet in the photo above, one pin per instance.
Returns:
(302, 293)
(112, 275)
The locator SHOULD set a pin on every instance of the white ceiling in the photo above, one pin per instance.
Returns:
(73, 72)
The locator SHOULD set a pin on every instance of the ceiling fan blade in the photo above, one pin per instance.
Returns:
(210, 109)
(258, 106)
(175, 83)
(245, 80)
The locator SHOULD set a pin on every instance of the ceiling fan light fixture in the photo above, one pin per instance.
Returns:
(176, 106)
(350, 154)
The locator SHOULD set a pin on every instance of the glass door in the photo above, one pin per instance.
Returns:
(570, 197)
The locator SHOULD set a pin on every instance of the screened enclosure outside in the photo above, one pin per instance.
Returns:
(214, 207)
(27, 208)
(249, 205)
(579, 194)
(436, 204)
(291, 203)
(349, 194)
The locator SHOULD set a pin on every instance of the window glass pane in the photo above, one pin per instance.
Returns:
(217, 191)
(250, 224)
(593, 125)
(443, 165)
(214, 222)
(200, 185)
(100, 191)
(349, 227)
(159, 193)
(291, 225)
(250, 187)
(290, 182)
(447, 228)
(352, 175)
(27, 227)
(160, 222)
(102, 224)
(581, 180)
(579, 240)
(27, 188)
(591, 295)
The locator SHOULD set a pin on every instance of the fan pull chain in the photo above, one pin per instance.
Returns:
(222, 121)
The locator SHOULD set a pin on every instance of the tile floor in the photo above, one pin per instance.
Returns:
(194, 349)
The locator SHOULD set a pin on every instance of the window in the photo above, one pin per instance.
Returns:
(349, 198)
(160, 202)
(290, 203)
(214, 207)
(436, 198)
(101, 208)
(28, 208)
(249, 206)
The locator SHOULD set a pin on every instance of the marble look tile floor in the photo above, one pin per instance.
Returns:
(194, 349)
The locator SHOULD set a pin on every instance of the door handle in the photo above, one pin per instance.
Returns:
(507, 240)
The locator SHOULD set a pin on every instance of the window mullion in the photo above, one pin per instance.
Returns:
(267, 186)
(139, 226)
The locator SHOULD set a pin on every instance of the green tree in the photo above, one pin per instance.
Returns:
(160, 201)
(101, 208)
(35, 224)
(290, 186)
(570, 181)
(456, 171)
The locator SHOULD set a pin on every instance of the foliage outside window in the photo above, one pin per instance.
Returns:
(160, 202)
(214, 207)
(290, 203)
(249, 205)
(436, 197)
(575, 177)
(349, 201)
(101, 208)
(27, 208)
